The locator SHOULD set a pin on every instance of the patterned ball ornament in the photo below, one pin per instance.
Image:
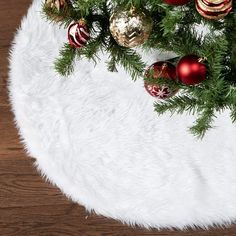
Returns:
(191, 70)
(214, 9)
(161, 69)
(78, 34)
(130, 28)
(177, 2)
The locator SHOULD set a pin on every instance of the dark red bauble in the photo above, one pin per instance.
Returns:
(177, 2)
(161, 69)
(191, 70)
(78, 34)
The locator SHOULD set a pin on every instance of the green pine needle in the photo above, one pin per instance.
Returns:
(64, 65)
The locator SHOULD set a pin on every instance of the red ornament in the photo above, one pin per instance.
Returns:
(161, 69)
(176, 2)
(191, 70)
(78, 34)
(214, 9)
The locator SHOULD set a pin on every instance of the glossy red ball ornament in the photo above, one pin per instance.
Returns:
(191, 70)
(177, 2)
(78, 34)
(161, 69)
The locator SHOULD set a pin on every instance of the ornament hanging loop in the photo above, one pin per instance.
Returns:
(132, 9)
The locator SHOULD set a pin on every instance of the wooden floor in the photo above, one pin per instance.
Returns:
(28, 205)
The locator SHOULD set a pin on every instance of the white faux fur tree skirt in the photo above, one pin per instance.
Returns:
(95, 135)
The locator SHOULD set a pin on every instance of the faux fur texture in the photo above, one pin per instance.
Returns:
(95, 135)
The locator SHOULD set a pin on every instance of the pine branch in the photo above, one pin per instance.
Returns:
(62, 17)
(177, 104)
(174, 30)
(233, 113)
(64, 65)
(86, 7)
(127, 58)
(111, 65)
(203, 123)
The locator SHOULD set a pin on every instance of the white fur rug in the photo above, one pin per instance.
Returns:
(96, 137)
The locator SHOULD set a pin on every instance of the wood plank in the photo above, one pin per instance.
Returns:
(29, 220)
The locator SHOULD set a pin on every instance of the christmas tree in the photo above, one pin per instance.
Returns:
(201, 79)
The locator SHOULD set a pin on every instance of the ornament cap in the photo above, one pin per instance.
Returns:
(202, 59)
(133, 9)
(82, 22)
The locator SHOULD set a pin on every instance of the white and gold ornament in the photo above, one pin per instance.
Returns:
(130, 28)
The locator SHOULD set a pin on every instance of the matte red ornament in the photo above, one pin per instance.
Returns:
(161, 69)
(177, 2)
(191, 70)
(78, 34)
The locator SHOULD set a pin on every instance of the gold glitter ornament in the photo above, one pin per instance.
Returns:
(130, 28)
